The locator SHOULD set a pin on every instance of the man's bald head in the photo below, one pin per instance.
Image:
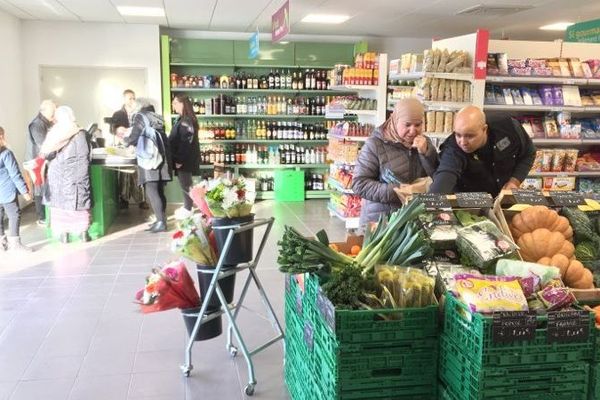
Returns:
(470, 129)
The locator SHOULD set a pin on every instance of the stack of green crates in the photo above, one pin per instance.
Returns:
(474, 367)
(378, 354)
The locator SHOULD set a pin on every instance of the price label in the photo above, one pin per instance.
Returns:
(309, 335)
(508, 327)
(567, 199)
(335, 110)
(556, 109)
(327, 309)
(433, 200)
(568, 326)
(532, 197)
(474, 200)
(288, 278)
(569, 82)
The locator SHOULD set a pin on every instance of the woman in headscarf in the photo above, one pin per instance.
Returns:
(394, 157)
(69, 190)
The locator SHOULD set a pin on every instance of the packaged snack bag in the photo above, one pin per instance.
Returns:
(487, 294)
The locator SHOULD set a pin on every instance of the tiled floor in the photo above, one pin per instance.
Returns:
(69, 328)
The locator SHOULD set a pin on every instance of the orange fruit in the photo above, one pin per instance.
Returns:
(334, 247)
(354, 250)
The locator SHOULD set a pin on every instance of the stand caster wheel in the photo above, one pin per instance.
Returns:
(249, 389)
(186, 370)
(233, 351)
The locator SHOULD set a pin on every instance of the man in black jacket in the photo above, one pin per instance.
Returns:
(479, 157)
(38, 129)
(121, 126)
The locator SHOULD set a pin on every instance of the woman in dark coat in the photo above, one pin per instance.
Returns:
(153, 180)
(185, 147)
(397, 148)
(68, 194)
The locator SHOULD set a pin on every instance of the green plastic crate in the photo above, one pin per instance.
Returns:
(468, 379)
(289, 185)
(594, 393)
(473, 332)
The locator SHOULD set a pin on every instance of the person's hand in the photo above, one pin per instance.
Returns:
(27, 197)
(512, 184)
(420, 143)
(178, 166)
(402, 194)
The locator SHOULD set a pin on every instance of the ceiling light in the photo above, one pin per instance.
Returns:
(558, 26)
(326, 18)
(141, 11)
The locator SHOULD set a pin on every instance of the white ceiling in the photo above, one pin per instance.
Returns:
(389, 18)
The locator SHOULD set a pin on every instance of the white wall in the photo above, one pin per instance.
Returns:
(396, 46)
(11, 96)
(87, 45)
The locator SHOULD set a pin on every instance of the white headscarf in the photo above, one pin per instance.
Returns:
(61, 132)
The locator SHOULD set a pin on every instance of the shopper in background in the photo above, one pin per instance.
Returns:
(396, 154)
(11, 184)
(153, 180)
(67, 147)
(479, 157)
(121, 125)
(184, 145)
(38, 129)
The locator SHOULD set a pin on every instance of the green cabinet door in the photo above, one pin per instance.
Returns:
(324, 54)
(201, 51)
(270, 54)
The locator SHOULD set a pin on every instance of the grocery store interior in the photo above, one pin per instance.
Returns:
(479, 295)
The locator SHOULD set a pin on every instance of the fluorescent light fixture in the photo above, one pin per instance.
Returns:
(141, 11)
(558, 26)
(326, 18)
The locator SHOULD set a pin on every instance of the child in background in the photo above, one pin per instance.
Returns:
(11, 184)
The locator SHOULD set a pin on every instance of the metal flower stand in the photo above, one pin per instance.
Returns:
(231, 310)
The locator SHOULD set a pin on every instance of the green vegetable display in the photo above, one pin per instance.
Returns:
(298, 254)
(346, 288)
(586, 251)
(467, 219)
(582, 225)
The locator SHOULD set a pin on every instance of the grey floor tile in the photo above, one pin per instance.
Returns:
(157, 361)
(13, 366)
(55, 389)
(167, 383)
(53, 367)
(107, 362)
(6, 389)
(113, 387)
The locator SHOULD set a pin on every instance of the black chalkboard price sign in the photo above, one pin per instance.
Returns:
(474, 200)
(567, 199)
(532, 197)
(433, 200)
(508, 327)
(569, 326)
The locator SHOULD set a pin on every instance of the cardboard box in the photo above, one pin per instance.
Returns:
(564, 183)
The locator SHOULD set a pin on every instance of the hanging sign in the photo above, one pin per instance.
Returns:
(280, 22)
(254, 46)
(588, 31)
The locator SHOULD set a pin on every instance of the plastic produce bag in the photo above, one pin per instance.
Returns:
(487, 294)
(405, 287)
(482, 244)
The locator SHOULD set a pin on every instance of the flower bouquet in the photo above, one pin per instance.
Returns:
(168, 287)
(224, 197)
(195, 240)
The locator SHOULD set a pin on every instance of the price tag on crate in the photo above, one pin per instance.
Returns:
(569, 326)
(567, 199)
(513, 326)
(433, 200)
(474, 200)
(288, 278)
(533, 197)
(327, 309)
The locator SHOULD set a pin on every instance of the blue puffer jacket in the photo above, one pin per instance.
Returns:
(11, 180)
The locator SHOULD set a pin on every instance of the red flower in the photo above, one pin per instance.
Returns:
(178, 235)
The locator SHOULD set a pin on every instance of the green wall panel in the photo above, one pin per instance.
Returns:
(201, 51)
(324, 54)
(275, 54)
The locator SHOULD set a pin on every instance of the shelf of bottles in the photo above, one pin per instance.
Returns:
(314, 185)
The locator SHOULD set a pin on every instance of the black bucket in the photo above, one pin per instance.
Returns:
(240, 250)
(208, 330)
(227, 285)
